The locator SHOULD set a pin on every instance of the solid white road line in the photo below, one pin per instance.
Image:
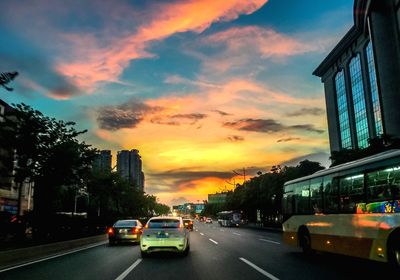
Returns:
(236, 233)
(266, 240)
(126, 272)
(55, 256)
(201, 233)
(262, 271)
(213, 241)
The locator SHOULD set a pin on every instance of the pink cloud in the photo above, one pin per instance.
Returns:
(90, 63)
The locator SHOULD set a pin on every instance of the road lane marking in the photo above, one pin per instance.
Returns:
(201, 233)
(262, 271)
(197, 229)
(213, 241)
(222, 230)
(236, 233)
(126, 272)
(54, 256)
(266, 240)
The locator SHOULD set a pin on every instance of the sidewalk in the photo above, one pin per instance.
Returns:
(25, 255)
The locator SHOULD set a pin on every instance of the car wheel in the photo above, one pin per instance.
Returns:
(144, 254)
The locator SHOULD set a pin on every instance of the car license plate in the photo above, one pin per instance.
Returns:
(134, 236)
(162, 235)
(123, 231)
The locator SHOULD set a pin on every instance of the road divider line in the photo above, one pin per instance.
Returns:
(126, 272)
(236, 233)
(201, 233)
(266, 240)
(262, 271)
(54, 256)
(213, 241)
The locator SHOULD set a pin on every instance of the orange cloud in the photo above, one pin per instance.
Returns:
(91, 63)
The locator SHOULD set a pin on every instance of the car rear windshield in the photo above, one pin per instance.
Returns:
(125, 224)
(164, 223)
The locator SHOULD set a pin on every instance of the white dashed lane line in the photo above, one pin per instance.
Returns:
(270, 241)
(236, 233)
(201, 233)
(213, 241)
(129, 269)
(259, 269)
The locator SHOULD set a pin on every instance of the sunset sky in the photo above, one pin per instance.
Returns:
(199, 87)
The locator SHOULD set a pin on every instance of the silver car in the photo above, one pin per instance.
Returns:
(164, 234)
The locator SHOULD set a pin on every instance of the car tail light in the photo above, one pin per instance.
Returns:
(110, 231)
(135, 230)
(146, 226)
(180, 225)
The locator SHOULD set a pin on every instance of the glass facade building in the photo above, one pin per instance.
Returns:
(343, 112)
(360, 110)
(374, 90)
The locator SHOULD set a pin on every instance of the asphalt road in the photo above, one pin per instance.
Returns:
(216, 253)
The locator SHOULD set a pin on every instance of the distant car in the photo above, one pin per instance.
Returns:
(125, 230)
(164, 234)
(208, 221)
(188, 224)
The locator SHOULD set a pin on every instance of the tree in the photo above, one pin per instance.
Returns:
(48, 153)
(6, 78)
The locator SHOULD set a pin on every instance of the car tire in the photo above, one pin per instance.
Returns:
(144, 254)
(394, 252)
(305, 242)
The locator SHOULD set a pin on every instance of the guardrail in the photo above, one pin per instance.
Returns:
(24, 255)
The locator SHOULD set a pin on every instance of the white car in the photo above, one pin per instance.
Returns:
(208, 221)
(164, 234)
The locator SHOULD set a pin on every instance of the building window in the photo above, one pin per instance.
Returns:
(374, 90)
(344, 123)
(360, 111)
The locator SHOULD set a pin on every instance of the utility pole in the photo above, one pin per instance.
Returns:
(243, 174)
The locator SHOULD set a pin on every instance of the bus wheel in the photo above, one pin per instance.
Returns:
(394, 252)
(305, 241)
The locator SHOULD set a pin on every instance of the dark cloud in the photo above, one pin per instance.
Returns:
(179, 119)
(194, 116)
(235, 138)
(307, 111)
(127, 115)
(268, 126)
(288, 139)
(257, 125)
(36, 74)
(222, 113)
(307, 127)
(321, 157)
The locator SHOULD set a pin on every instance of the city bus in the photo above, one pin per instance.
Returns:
(351, 209)
(230, 218)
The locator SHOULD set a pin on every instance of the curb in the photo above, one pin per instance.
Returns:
(24, 255)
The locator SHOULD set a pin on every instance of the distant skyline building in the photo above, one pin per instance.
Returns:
(129, 166)
(103, 161)
(361, 77)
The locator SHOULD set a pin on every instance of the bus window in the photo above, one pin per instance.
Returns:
(316, 195)
(287, 200)
(302, 198)
(330, 192)
(351, 191)
(384, 184)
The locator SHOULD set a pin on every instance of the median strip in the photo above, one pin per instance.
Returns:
(262, 271)
(213, 241)
(126, 272)
(270, 241)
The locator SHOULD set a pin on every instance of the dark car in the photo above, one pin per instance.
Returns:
(188, 224)
(125, 230)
